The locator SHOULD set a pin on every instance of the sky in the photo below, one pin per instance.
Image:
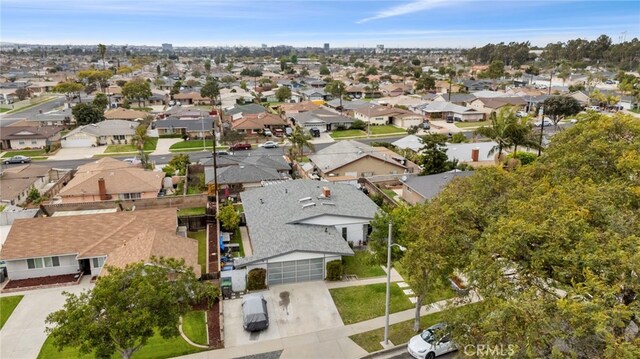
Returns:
(341, 23)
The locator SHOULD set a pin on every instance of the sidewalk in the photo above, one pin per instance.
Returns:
(395, 277)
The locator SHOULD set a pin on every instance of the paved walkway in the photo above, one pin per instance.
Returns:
(395, 277)
(246, 244)
(163, 145)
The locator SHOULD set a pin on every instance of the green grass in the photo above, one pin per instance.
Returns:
(237, 238)
(201, 236)
(635, 110)
(194, 327)
(362, 264)
(347, 133)
(149, 146)
(191, 144)
(194, 211)
(4, 110)
(472, 124)
(7, 305)
(356, 304)
(390, 193)
(28, 153)
(156, 348)
(385, 129)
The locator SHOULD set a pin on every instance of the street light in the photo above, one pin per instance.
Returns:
(386, 315)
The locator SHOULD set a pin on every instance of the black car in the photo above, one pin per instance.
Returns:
(314, 132)
(17, 159)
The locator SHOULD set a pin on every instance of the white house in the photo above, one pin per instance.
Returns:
(297, 227)
(109, 132)
(383, 115)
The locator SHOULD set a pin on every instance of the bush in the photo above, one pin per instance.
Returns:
(412, 130)
(458, 137)
(377, 199)
(341, 127)
(358, 125)
(257, 279)
(524, 157)
(173, 135)
(334, 270)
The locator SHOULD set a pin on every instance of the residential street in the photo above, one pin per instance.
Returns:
(7, 119)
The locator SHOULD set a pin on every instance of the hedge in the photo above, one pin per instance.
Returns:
(256, 279)
(334, 270)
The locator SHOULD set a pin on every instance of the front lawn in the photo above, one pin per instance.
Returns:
(156, 348)
(237, 238)
(362, 264)
(28, 153)
(347, 133)
(7, 305)
(149, 146)
(194, 327)
(194, 211)
(356, 304)
(4, 110)
(201, 236)
(472, 124)
(191, 144)
(386, 129)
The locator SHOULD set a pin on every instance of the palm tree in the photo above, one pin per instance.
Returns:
(102, 50)
(140, 138)
(299, 141)
(336, 88)
(499, 130)
(520, 134)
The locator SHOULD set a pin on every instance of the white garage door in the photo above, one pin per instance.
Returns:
(295, 271)
(77, 143)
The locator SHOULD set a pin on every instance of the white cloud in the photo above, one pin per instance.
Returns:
(414, 6)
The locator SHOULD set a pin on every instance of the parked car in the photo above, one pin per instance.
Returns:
(278, 132)
(240, 146)
(544, 122)
(17, 159)
(573, 120)
(432, 342)
(255, 316)
(267, 133)
(450, 119)
(594, 108)
(314, 132)
(133, 160)
(270, 144)
(222, 152)
(426, 125)
(521, 114)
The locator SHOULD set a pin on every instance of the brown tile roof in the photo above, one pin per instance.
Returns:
(189, 95)
(16, 179)
(119, 177)
(28, 132)
(258, 121)
(497, 102)
(124, 114)
(299, 107)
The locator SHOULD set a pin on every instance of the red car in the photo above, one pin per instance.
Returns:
(240, 146)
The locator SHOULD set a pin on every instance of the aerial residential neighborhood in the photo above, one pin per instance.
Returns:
(309, 179)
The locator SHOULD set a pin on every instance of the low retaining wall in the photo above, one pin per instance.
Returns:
(196, 200)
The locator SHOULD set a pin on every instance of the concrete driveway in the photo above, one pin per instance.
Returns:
(163, 145)
(77, 153)
(294, 309)
(23, 334)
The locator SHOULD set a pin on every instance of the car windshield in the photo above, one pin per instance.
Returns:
(427, 336)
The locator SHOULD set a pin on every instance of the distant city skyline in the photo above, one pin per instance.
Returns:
(301, 23)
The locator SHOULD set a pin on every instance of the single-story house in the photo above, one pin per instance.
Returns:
(256, 123)
(191, 98)
(321, 119)
(84, 244)
(17, 181)
(462, 152)
(347, 106)
(383, 115)
(355, 91)
(28, 137)
(492, 104)
(355, 159)
(192, 127)
(125, 114)
(442, 110)
(183, 112)
(418, 189)
(297, 227)
(461, 99)
(41, 87)
(393, 90)
(315, 95)
(110, 179)
(444, 86)
(108, 132)
(288, 109)
(54, 118)
(238, 111)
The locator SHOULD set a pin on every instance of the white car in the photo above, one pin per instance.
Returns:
(546, 122)
(573, 120)
(521, 114)
(432, 342)
(270, 144)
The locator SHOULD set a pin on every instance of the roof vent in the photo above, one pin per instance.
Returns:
(304, 199)
(312, 204)
(328, 204)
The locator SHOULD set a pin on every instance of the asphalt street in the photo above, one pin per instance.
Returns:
(406, 355)
(8, 119)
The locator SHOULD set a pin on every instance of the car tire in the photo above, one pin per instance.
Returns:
(430, 355)
(21, 161)
(6, 162)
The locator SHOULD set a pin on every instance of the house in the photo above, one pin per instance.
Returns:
(256, 123)
(110, 179)
(402, 100)
(238, 111)
(17, 181)
(581, 97)
(297, 227)
(493, 104)
(393, 90)
(321, 119)
(446, 87)
(239, 172)
(355, 159)
(107, 132)
(418, 189)
(475, 154)
(460, 99)
(53, 118)
(288, 109)
(191, 98)
(355, 91)
(28, 137)
(125, 114)
(41, 87)
(383, 115)
(347, 106)
(84, 244)
(194, 128)
(315, 95)
(443, 110)
(180, 112)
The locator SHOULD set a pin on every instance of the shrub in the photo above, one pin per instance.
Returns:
(334, 270)
(524, 157)
(341, 127)
(257, 279)
(173, 135)
(358, 125)
(458, 137)
(377, 199)
(412, 130)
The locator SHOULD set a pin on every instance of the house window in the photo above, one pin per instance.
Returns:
(98, 262)
(33, 263)
(130, 196)
(34, 142)
(344, 233)
(21, 142)
(48, 262)
(118, 137)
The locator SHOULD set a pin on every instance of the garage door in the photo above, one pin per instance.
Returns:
(295, 271)
(77, 143)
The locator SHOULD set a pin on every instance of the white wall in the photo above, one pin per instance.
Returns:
(39, 143)
(356, 227)
(355, 232)
(18, 269)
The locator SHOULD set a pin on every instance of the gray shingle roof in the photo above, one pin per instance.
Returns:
(107, 128)
(429, 186)
(242, 174)
(274, 214)
(189, 125)
(321, 116)
(251, 108)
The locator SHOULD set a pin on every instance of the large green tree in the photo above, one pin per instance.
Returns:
(137, 89)
(299, 140)
(210, 90)
(100, 101)
(229, 217)
(559, 107)
(126, 307)
(69, 89)
(86, 113)
(98, 77)
(499, 130)
(433, 155)
(283, 93)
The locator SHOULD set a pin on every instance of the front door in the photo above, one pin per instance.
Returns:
(85, 266)
(328, 127)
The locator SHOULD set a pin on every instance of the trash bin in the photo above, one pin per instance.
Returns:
(225, 286)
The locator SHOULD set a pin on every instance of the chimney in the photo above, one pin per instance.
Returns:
(326, 192)
(102, 189)
(475, 154)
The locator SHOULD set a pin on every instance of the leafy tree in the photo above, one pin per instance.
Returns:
(251, 72)
(102, 50)
(358, 125)
(175, 89)
(99, 77)
(336, 88)
(519, 132)
(138, 89)
(180, 162)
(324, 70)
(283, 93)
(85, 114)
(210, 90)
(69, 89)
(100, 101)
(294, 59)
(299, 140)
(559, 107)
(233, 136)
(158, 69)
(415, 62)
(495, 70)
(126, 307)
(371, 70)
(124, 70)
(193, 83)
(243, 85)
(425, 82)
(229, 217)
(22, 93)
(458, 137)
(433, 158)
(34, 195)
(304, 72)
